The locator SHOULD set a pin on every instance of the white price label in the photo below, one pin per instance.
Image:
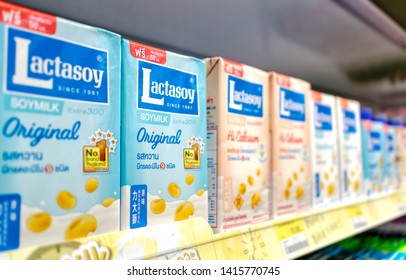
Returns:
(359, 222)
(400, 207)
(294, 244)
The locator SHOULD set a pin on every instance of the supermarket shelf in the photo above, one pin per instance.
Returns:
(296, 236)
(287, 238)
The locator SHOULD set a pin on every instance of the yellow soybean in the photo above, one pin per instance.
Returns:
(81, 227)
(39, 222)
(66, 200)
(173, 189)
(184, 211)
(108, 201)
(91, 185)
(189, 178)
(157, 206)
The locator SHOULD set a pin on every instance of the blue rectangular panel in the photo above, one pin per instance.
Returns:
(244, 98)
(350, 124)
(63, 69)
(138, 206)
(166, 89)
(375, 141)
(390, 142)
(345, 181)
(292, 105)
(9, 221)
(317, 180)
(322, 117)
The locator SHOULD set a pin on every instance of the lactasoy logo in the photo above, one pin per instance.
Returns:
(244, 97)
(390, 140)
(292, 105)
(350, 125)
(47, 66)
(167, 89)
(375, 141)
(322, 116)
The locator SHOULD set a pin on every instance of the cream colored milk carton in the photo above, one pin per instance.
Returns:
(350, 149)
(238, 144)
(290, 130)
(324, 153)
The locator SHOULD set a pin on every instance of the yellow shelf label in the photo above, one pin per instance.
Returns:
(397, 203)
(289, 229)
(356, 216)
(292, 236)
(373, 213)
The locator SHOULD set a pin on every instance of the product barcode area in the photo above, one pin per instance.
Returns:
(359, 222)
(294, 244)
(400, 207)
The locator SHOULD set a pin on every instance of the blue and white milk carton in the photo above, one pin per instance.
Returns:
(350, 149)
(326, 187)
(164, 159)
(60, 129)
(379, 140)
(372, 152)
(388, 153)
(392, 157)
(397, 124)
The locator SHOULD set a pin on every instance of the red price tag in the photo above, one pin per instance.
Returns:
(385, 128)
(316, 96)
(26, 18)
(367, 125)
(233, 68)
(148, 53)
(283, 81)
(344, 103)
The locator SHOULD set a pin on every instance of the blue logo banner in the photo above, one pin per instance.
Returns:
(166, 89)
(323, 117)
(244, 98)
(375, 141)
(42, 65)
(292, 105)
(350, 125)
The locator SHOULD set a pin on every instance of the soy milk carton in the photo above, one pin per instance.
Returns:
(290, 129)
(380, 127)
(402, 147)
(350, 149)
(164, 159)
(391, 158)
(238, 144)
(372, 152)
(397, 124)
(60, 129)
(326, 191)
